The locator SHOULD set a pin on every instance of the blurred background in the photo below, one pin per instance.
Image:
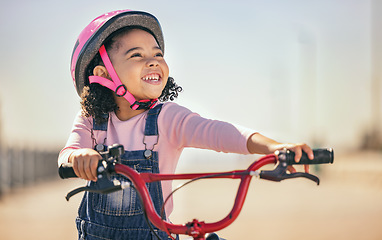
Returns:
(296, 71)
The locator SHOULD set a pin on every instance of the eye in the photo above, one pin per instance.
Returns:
(159, 54)
(136, 55)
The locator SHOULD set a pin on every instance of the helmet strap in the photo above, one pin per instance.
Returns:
(117, 86)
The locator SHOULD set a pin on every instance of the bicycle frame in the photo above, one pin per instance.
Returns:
(196, 229)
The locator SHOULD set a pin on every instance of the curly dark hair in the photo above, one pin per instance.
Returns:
(97, 100)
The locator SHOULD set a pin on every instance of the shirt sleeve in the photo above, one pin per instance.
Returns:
(80, 137)
(187, 129)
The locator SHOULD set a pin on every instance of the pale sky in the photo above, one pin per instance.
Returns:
(294, 70)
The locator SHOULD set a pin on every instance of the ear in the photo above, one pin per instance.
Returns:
(101, 71)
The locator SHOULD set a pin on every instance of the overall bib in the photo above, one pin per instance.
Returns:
(119, 215)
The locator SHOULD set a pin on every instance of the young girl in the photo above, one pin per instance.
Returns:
(120, 73)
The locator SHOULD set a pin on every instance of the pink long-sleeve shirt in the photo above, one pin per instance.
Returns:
(178, 128)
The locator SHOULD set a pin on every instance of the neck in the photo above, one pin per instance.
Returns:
(124, 111)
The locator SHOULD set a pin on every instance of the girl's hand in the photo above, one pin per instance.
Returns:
(297, 148)
(260, 144)
(85, 162)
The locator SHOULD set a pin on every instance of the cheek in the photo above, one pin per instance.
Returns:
(165, 69)
(129, 72)
(164, 83)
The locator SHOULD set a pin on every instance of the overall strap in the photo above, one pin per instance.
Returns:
(101, 126)
(151, 130)
(151, 127)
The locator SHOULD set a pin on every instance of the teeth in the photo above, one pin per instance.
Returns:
(151, 77)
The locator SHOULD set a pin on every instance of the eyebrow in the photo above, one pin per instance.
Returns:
(139, 48)
(132, 49)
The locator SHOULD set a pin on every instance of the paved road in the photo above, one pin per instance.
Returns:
(347, 205)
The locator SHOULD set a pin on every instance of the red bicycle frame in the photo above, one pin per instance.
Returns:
(197, 229)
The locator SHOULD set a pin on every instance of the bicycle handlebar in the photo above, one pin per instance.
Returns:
(321, 156)
(196, 228)
(66, 171)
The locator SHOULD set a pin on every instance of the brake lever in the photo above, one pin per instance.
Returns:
(105, 167)
(105, 186)
(280, 173)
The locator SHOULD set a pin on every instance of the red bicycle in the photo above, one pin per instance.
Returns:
(195, 228)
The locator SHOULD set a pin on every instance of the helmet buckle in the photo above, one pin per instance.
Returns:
(121, 92)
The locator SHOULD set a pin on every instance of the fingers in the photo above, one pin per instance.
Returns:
(89, 169)
(310, 154)
(306, 168)
(291, 169)
(297, 153)
(308, 151)
(298, 149)
(85, 162)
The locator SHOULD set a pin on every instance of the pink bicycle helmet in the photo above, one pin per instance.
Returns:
(92, 38)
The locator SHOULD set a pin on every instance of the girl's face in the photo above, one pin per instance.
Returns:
(139, 63)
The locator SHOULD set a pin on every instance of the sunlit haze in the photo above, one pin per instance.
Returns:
(293, 70)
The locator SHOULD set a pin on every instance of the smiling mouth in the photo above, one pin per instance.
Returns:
(152, 78)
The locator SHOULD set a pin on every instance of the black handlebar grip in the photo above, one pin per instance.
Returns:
(321, 156)
(66, 171)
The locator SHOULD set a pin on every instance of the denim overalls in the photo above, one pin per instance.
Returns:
(119, 215)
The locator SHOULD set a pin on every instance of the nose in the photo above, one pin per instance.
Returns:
(152, 62)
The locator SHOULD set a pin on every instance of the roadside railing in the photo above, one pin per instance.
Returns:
(20, 167)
